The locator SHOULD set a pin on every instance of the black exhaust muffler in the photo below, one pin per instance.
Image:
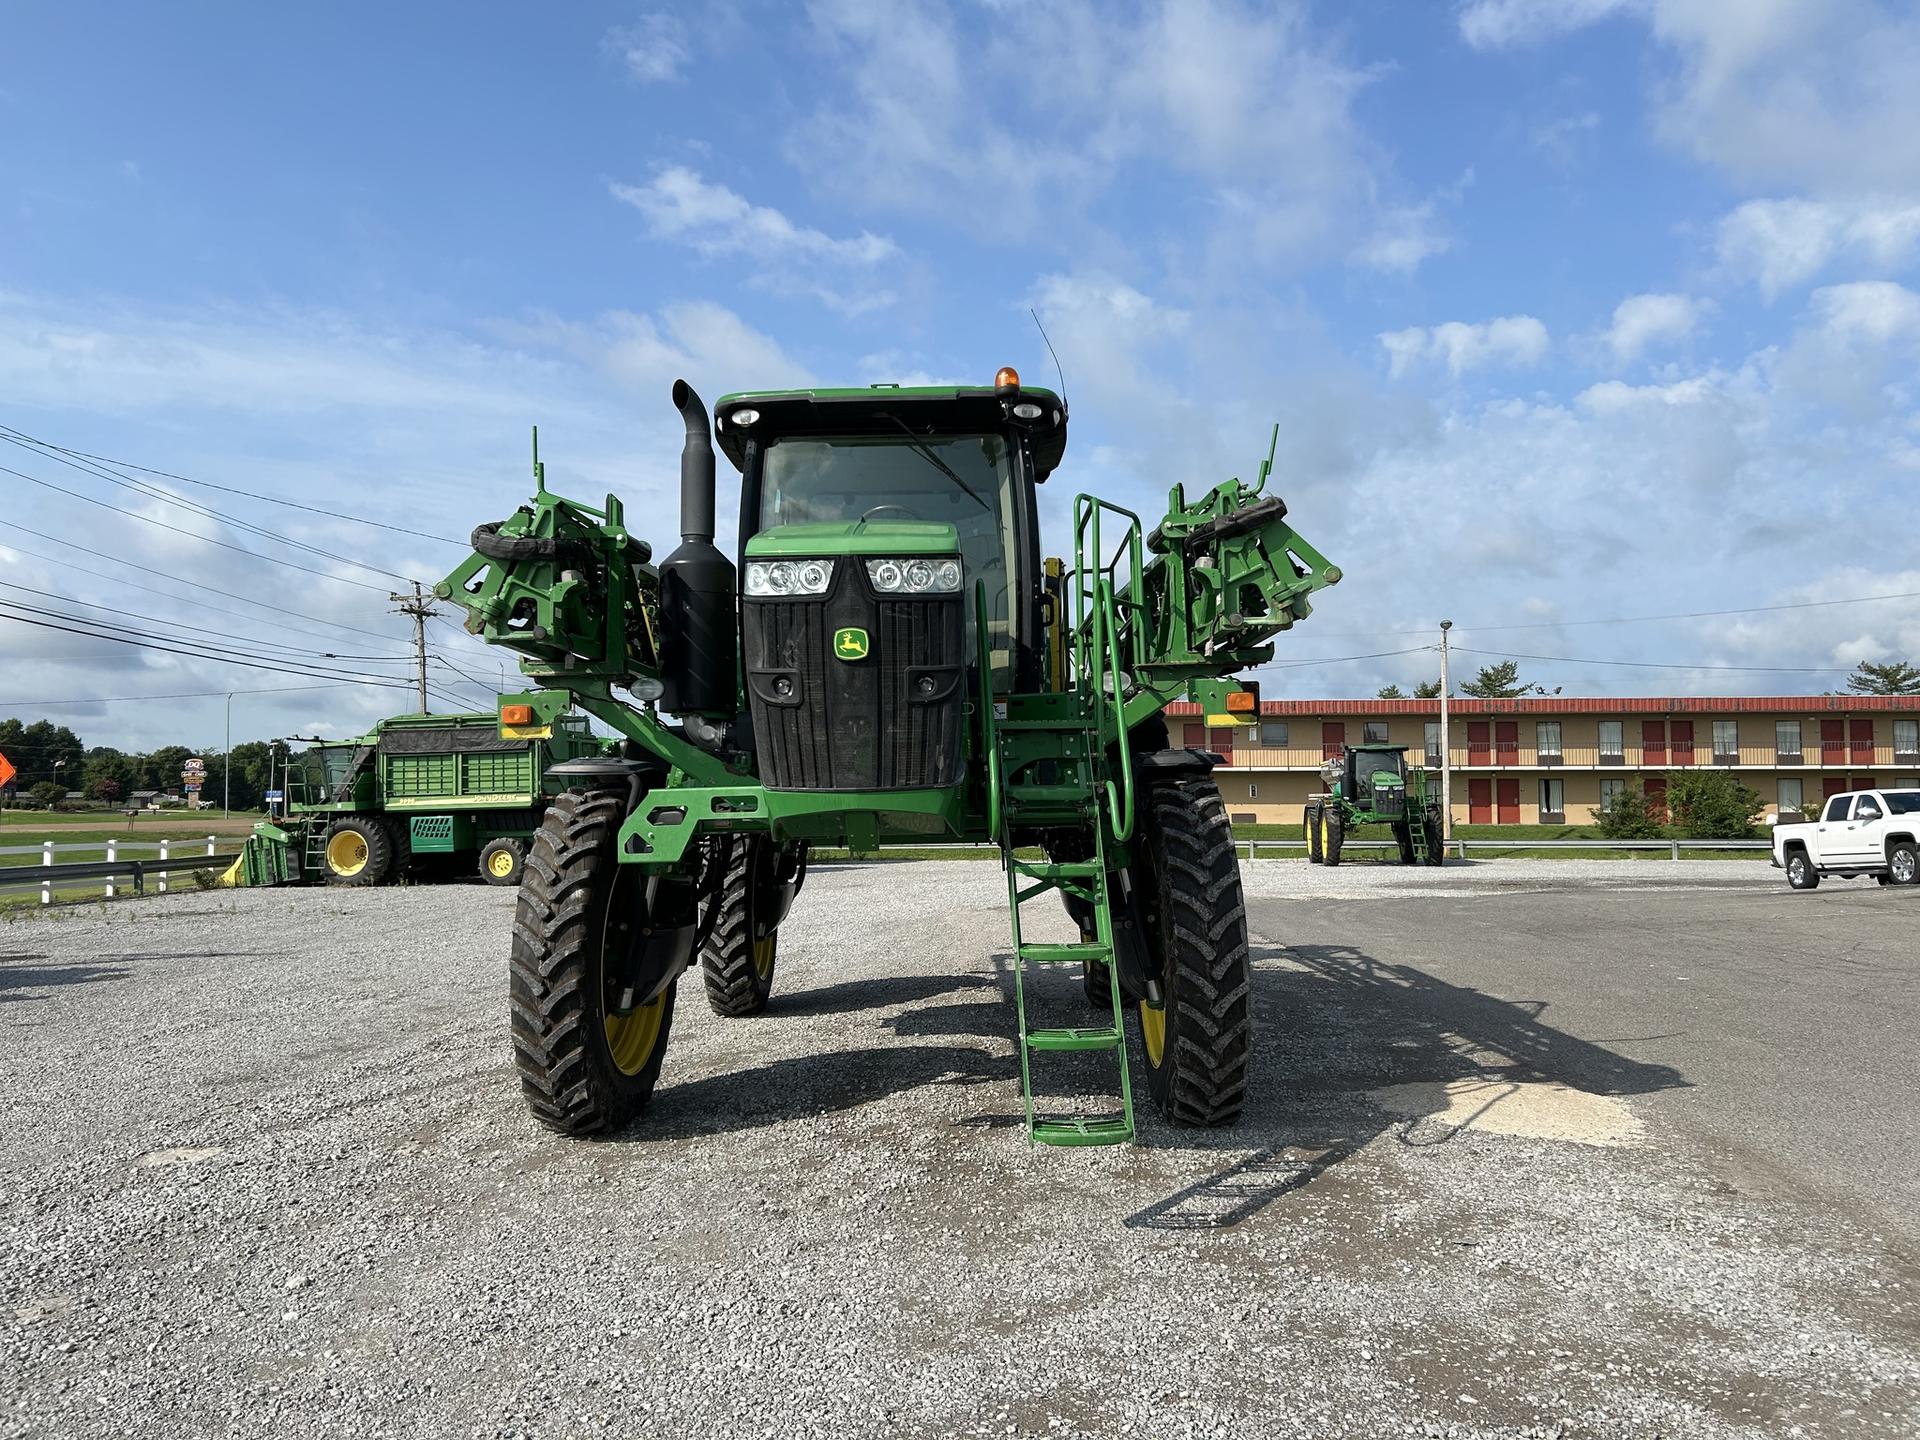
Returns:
(699, 639)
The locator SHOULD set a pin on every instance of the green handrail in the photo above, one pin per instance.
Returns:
(989, 748)
(1120, 806)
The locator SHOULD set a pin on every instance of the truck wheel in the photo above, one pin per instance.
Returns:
(1800, 872)
(1198, 1044)
(1436, 841)
(1313, 834)
(737, 960)
(1903, 864)
(584, 1066)
(1403, 835)
(502, 861)
(358, 851)
(1333, 834)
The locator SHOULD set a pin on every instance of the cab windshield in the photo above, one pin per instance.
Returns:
(1368, 763)
(965, 481)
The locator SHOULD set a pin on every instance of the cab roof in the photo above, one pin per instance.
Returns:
(927, 409)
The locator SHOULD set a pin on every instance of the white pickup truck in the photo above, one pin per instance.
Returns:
(1858, 832)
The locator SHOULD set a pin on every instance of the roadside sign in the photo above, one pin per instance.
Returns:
(7, 772)
(275, 795)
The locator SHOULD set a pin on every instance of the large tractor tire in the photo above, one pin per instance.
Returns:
(503, 860)
(1333, 835)
(737, 960)
(1199, 1042)
(1436, 841)
(1403, 836)
(584, 1066)
(1313, 834)
(359, 850)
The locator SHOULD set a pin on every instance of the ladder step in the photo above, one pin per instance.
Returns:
(1071, 954)
(1103, 1037)
(1083, 1130)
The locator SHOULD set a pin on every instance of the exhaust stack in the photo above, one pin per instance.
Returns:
(699, 640)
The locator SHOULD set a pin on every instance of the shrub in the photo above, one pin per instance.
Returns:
(1711, 805)
(1629, 817)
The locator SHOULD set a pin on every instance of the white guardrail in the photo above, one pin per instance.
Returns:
(116, 851)
(1258, 849)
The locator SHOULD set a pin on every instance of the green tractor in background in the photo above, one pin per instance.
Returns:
(1371, 785)
(887, 658)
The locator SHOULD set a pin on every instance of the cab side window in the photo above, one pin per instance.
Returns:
(1837, 807)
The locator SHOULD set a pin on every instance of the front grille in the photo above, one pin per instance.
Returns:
(890, 721)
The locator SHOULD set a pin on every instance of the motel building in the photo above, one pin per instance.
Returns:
(1554, 761)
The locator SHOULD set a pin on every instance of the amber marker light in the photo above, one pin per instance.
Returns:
(1006, 380)
(1241, 702)
(516, 714)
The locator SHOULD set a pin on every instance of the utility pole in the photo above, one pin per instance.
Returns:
(226, 768)
(1446, 737)
(419, 607)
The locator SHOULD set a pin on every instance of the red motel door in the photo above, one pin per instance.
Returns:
(1833, 742)
(1221, 741)
(1509, 802)
(1195, 737)
(1683, 742)
(1506, 741)
(1653, 741)
(1333, 738)
(1480, 802)
(1479, 746)
(1860, 782)
(1657, 795)
(1862, 742)
(1832, 785)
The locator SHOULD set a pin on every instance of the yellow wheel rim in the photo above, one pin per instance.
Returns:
(346, 853)
(763, 949)
(1153, 1032)
(631, 1037)
(500, 863)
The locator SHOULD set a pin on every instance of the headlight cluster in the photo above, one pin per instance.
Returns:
(915, 576)
(789, 577)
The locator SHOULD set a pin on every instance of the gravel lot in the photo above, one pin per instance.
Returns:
(264, 1167)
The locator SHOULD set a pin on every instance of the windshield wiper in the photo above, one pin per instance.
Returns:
(925, 452)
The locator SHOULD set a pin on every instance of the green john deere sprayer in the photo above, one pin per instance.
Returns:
(897, 665)
(1371, 785)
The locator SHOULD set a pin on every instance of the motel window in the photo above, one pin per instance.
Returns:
(1546, 739)
(1726, 742)
(1611, 747)
(1786, 740)
(1611, 790)
(1373, 732)
(1906, 738)
(1433, 742)
(1793, 794)
(1553, 801)
(1273, 734)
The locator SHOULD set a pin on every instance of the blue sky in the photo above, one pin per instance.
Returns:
(1567, 311)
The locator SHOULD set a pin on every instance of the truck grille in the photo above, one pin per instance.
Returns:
(890, 721)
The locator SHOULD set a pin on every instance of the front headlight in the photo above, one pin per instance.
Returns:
(789, 577)
(939, 575)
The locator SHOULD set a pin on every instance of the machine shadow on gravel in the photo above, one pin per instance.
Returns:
(1332, 1023)
(16, 978)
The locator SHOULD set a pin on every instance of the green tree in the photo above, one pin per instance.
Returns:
(1498, 682)
(1391, 692)
(1895, 677)
(1427, 690)
(104, 763)
(160, 770)
(1711, 805)
(37, 750)
(46, 793)
(1628, 817)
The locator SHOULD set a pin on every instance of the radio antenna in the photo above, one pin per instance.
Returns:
(1050, 350)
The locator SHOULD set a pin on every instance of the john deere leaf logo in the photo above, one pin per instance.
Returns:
(850, 643)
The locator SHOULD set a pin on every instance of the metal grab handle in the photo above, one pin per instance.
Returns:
(989, 753)
(1119, 801)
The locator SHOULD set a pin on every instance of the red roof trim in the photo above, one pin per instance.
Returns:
(1603, 705)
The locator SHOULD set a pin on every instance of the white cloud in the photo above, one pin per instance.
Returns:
(1614, 397)
(1772, 92)
(1509, 340)
(1643, 320)
(1404, 236)
(1875, 311)
(679, 205)
(653, 49)
(1778, 244)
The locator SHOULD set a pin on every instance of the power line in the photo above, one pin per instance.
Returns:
(1339, 659)
(180, 580)
(195, 694)
(155, 492)
(232, 490)
(387, 658)
(179, 530)
(1666, 665)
